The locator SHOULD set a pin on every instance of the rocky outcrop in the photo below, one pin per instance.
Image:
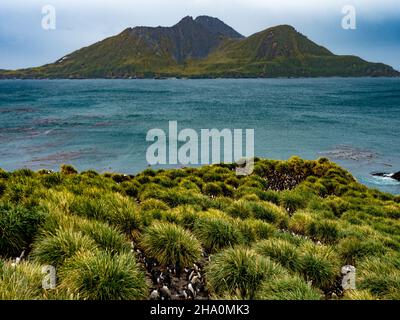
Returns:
(395, 176)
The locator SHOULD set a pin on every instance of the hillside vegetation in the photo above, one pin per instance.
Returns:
(204, 47)
(283, 232)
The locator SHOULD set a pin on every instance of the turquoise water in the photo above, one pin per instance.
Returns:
(102, 124)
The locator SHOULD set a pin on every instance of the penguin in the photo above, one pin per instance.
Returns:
(195, 280)
(165, 293)
(192, 290)
(191, 275)
(154, 295)
(155, 274)
(188, 294)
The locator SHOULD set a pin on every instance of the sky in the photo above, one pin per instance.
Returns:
(24, 43)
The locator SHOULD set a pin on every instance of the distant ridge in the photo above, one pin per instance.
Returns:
(204, 47)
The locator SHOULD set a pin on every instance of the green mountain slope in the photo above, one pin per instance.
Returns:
(204, 47)
(282, 51)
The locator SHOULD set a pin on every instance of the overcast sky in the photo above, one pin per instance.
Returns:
(23, 42)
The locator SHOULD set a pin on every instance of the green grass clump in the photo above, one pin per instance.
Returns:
(68, 169)
(293, 200)
(358, 295)
(212, 189)
(216, 231)
(380, 276)
(115, 209)
(170, 244)
(186, 216)
(319, 264)
(20, 282)
(300, 222)
(253, 230)
(221, 203)
(239, 209)
(314, 226)
(337, 205)
(239, 271)
(153, 204)
(54, 249)
(287, 288)
(281, 251)
(100, 276)
(130, 189)
(18, 226)
(267, 211)
(352, 249)
(324, 230)
(107, 237)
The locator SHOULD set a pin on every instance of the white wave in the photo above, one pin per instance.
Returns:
(383, 181)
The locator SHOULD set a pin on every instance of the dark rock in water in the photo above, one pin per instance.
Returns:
(379, 174)
(395, 176)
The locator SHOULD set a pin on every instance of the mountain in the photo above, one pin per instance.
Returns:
(216, 25)
(204, 47)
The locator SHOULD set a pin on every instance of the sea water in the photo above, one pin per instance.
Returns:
(102, 124)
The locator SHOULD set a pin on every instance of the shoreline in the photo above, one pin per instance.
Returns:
(209, 78)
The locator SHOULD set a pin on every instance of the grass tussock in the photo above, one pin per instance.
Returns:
(170, 244)
(20, 282)
(101, 276)
(216, 231)
(239, 271)
(18, 227)
(56, 248)
(319, 264)
(287, 288)
(283, 232)
(281, 251)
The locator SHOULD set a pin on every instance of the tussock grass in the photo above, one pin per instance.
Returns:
(18, 226)
(68, 169)
(100, 276)
(54, 249)
(239, 271)
(186, 216)
(115, 209)
(216, 231)
(319, 264)
(240, 209)
(153, 204)
(107, 237)
(270, 212)
(253, 230)
(308, 218)
(300, 222)
(380, 276)
(324, 230)
(170, 244)
(352, 249)
(22, 282)
(293, 200)
(281, 251)
(287, 288)
(358, 295)
(213, 189)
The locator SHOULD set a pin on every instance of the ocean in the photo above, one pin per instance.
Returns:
(102, 124)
